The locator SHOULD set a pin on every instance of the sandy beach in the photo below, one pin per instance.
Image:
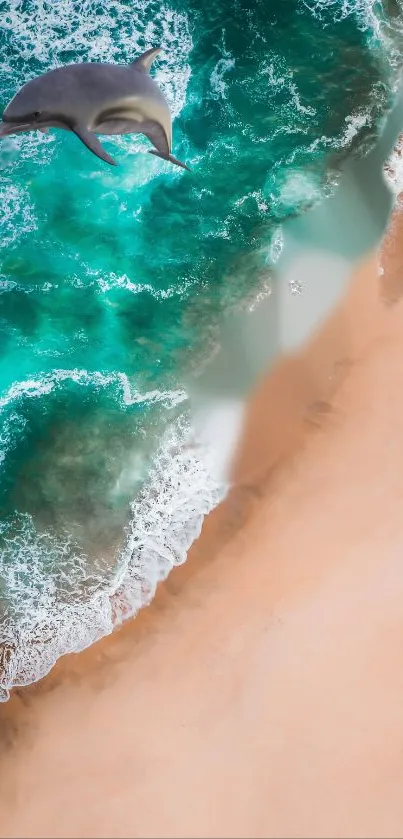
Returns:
(261, 692)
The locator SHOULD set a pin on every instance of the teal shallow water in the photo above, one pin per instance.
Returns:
(113, 283)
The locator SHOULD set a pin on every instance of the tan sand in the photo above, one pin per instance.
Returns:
(262, 692)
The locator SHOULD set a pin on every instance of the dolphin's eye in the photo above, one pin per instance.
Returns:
(37, 114)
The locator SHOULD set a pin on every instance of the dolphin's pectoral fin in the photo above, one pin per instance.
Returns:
(91, 141)
(170, 158)
(145, 61)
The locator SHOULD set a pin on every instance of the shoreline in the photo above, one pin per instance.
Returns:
(256, 695)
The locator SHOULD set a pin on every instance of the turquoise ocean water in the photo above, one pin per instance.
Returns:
(113, 282)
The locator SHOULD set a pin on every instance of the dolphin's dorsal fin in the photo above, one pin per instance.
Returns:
(145, 61)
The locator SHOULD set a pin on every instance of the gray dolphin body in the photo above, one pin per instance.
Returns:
(91, 99)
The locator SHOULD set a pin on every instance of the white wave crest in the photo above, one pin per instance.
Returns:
(354, 123)
(44, 384)
(365, 11)
(46, 615)
(281, 77)
(393, 169)
(110, 281)
(276, 247)
(383, 29)
(224, 65)
(17, 215)
(298, 187)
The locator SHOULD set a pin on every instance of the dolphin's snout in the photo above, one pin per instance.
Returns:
(7, 128)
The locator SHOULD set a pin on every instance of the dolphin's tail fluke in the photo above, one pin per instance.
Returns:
(169, 157)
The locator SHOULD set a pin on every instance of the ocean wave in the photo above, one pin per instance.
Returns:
(17, 214)
(282, 79)
(112, 281)
(393, 169)
(117, 387)
(225, 64)
(45, 383)
(32, 146)
(54, 604)
(296, 188)
(383, 23)
(354, 124)
(275, 247)
(366, 12)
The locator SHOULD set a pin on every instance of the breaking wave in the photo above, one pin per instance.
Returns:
(43, 576)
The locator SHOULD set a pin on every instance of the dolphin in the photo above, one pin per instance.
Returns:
(94, 98)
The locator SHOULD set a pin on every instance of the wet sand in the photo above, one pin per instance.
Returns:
(261, 694)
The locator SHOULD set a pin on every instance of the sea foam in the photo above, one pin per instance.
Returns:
(48, 617)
